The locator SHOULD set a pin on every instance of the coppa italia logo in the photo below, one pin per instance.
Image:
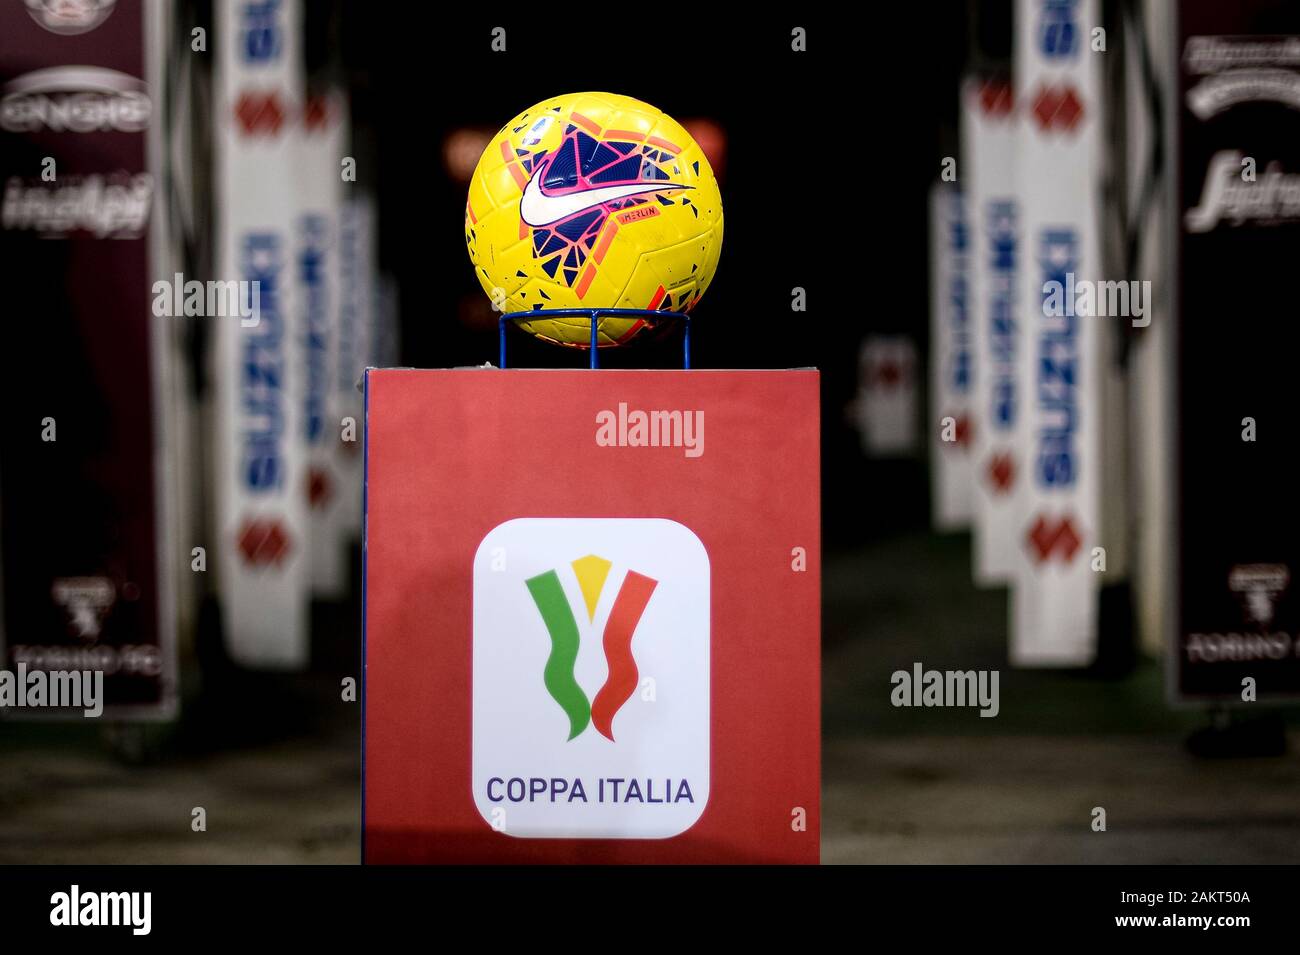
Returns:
(630, 619)
(591, 572)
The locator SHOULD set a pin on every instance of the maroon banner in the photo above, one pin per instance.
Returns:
(80, 497)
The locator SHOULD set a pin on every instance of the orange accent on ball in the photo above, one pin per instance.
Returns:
(579, 120)
(606, 237)
(584, 282)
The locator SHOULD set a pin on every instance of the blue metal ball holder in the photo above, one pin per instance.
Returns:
(593, 315)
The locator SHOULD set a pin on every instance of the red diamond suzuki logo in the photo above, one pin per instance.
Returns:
(961, 431)
(319, 488)
(316, 113)
(888, 373)
(1002, 472)
(259, 113)
(1057, 107)
(1047, 539)
(263, 541)
(995, 98)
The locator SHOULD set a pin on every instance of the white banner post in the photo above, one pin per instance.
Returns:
(951, 361)
(259, 370)
(318, 274)
(998, 439)
(1059, 164)
(358, 302)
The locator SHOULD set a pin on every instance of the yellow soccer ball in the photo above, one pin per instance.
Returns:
(593, 200)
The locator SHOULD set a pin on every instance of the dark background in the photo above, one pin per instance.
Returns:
(825, 186)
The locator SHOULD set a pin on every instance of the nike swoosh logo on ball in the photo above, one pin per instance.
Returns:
(538, 209)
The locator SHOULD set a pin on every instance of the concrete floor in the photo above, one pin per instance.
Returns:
(294, 801)
(929, 799)
(899, 785)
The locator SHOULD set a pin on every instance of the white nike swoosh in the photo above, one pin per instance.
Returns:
(538, 209)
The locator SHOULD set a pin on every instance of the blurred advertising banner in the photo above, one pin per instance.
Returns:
(85, 480)
(357, 317)
(990, 173)
(592, 617)
(1237, 200)
(318, 273)
(1149, 65)
(887, 407)
(1059, 170)
(951, 361)
(260, 372)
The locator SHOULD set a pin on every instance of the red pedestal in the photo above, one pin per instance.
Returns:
(592, 616)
